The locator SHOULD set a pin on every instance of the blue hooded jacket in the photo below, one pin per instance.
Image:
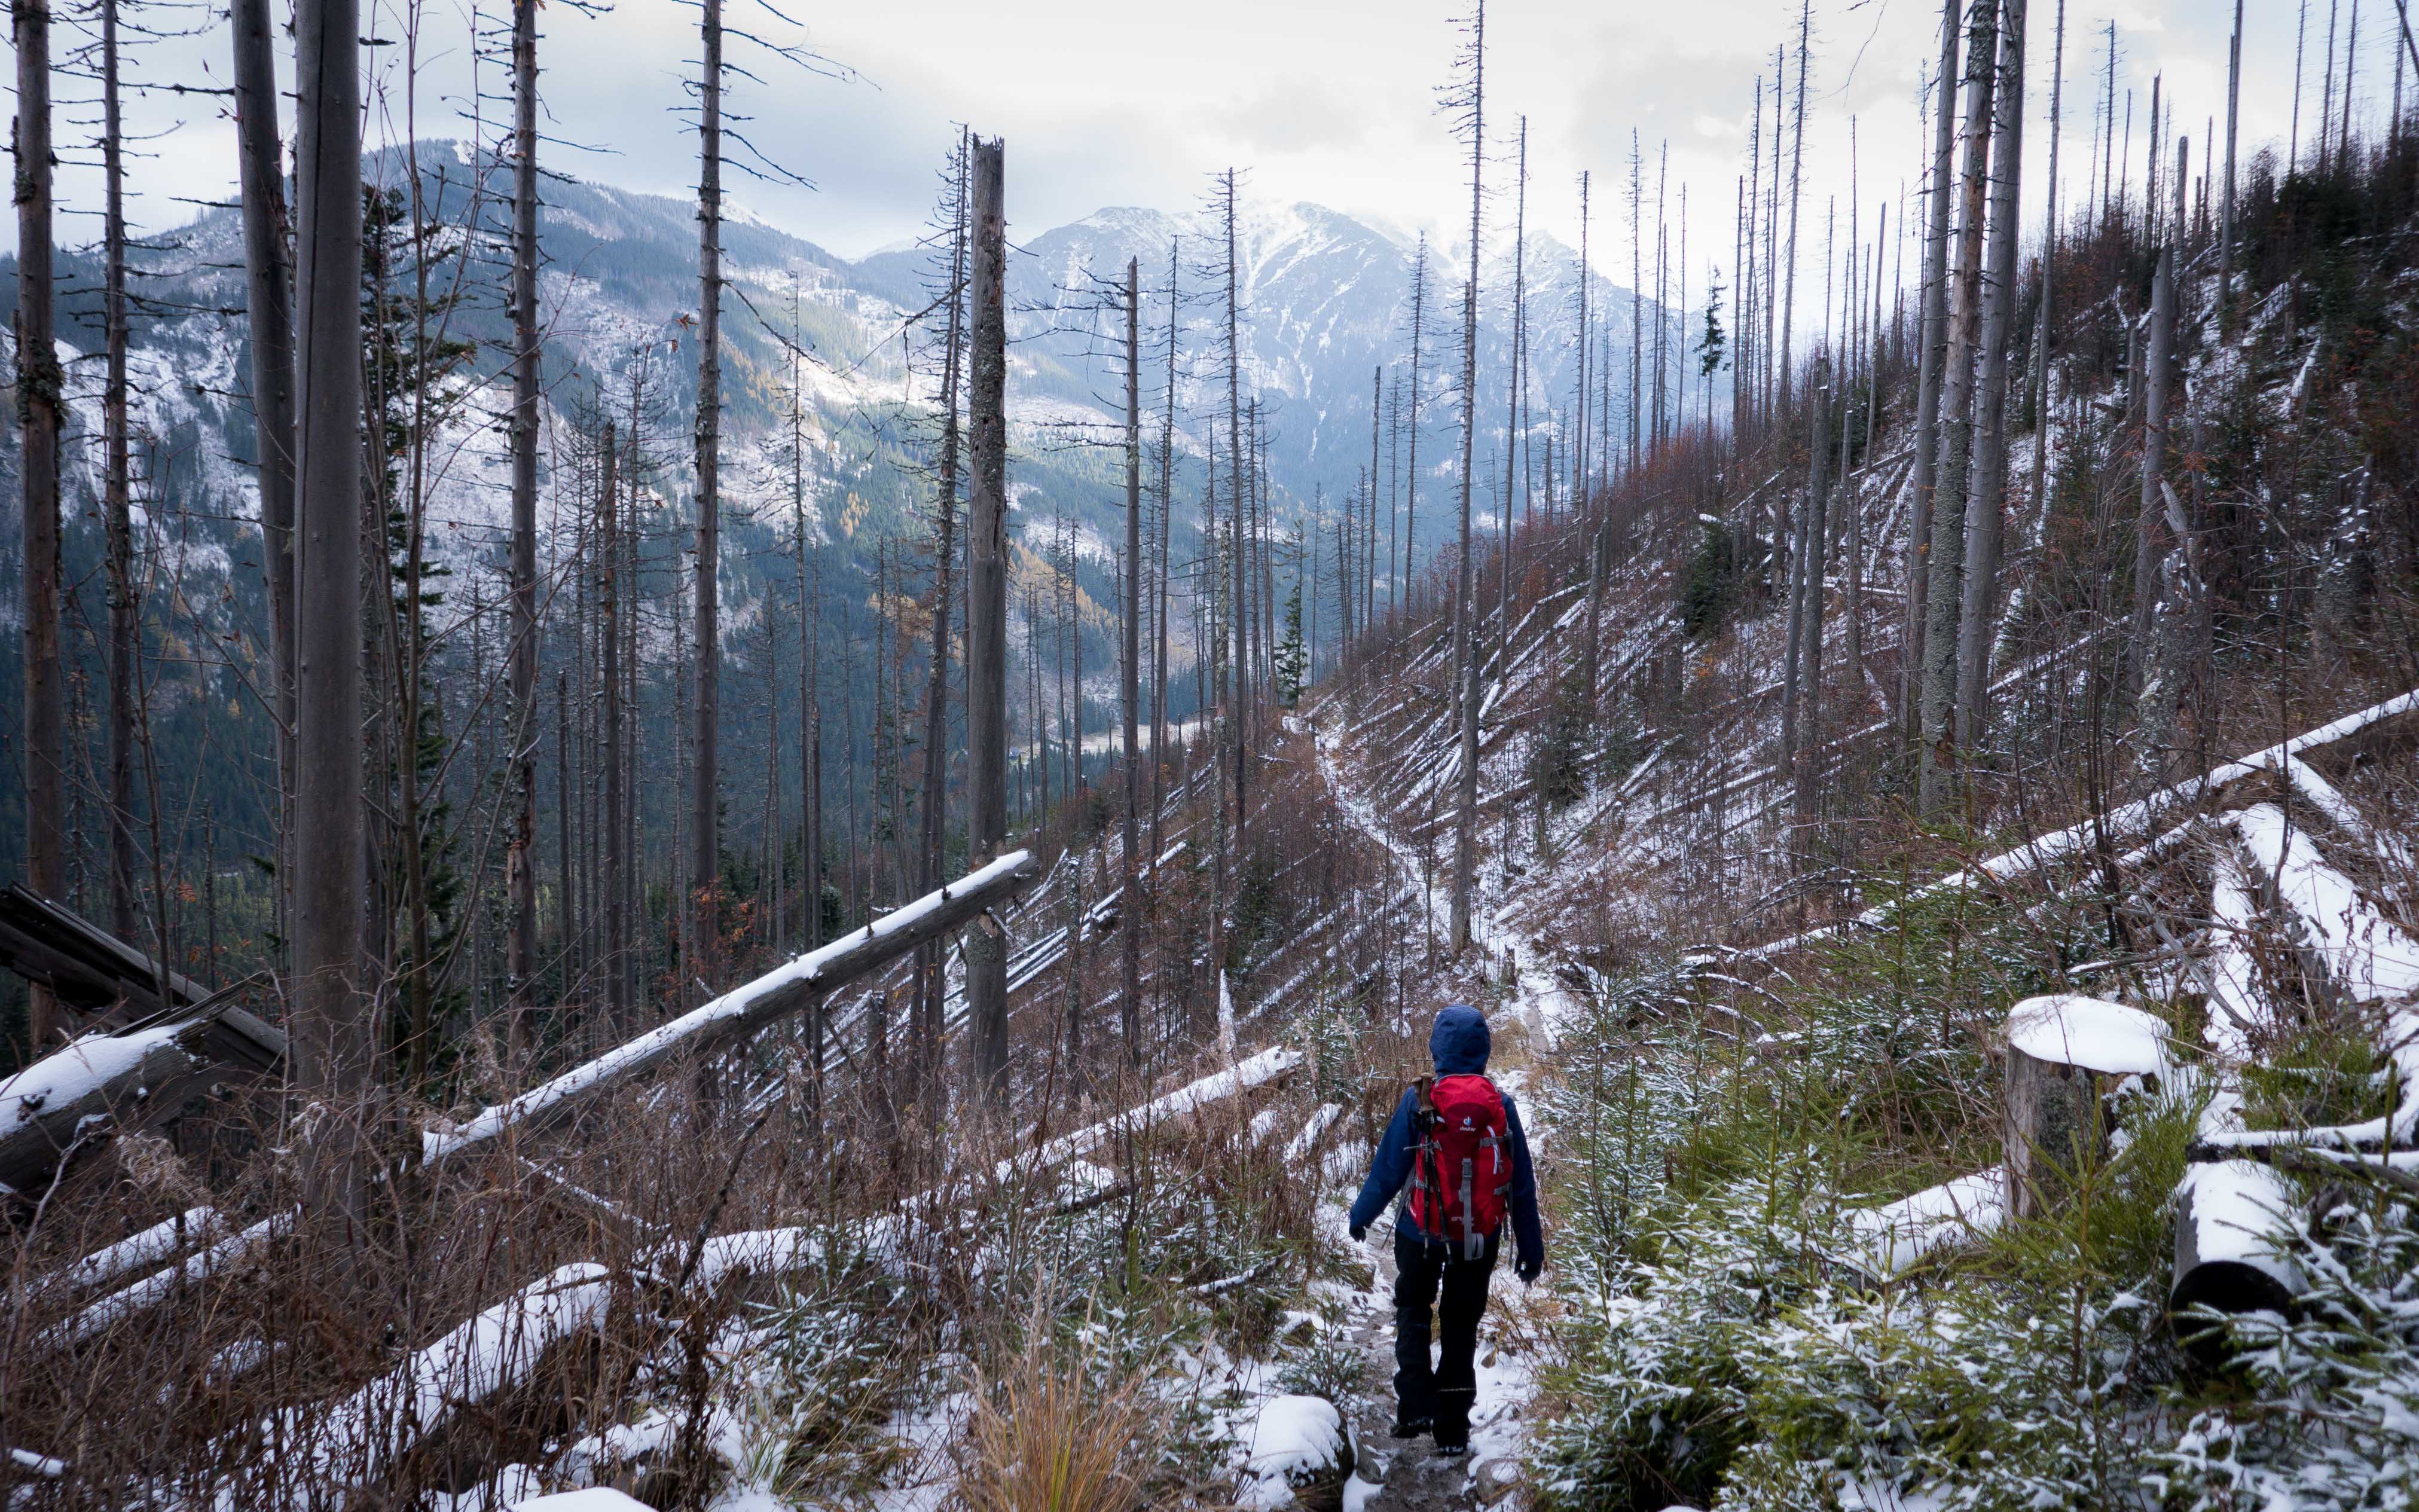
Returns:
(1458, 1044)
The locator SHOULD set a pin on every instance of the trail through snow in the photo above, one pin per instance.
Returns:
(1393, 1477)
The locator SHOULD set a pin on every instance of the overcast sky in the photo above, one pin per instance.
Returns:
(1328, 100)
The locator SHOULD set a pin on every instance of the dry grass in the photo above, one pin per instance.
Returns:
(1059, 1430)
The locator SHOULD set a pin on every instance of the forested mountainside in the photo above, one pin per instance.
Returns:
(1930, 816)
(829, 435)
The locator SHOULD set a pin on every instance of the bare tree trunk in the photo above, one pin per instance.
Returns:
(1577, 451)
(2225, 194)
(931, 990)
(333, 1049)
(1129, 672)
(1166, 511)
(1949, 510)
(117, 484)
(2039, 502)
(1932, 338)
(1465, 604)
(616, 762)
(565, 812)
(1238, 735)
(705, 816)
(1637, 289)
(1797, 161)
(2150, 532)
(1404, 585)
(986, 951)
(1978, 618)
(39, 381)
(1806, 752)
(1514, 428)
(520, 851)
(268, 300)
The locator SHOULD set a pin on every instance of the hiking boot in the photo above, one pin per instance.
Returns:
(1452, 1421)
(1411, 1427)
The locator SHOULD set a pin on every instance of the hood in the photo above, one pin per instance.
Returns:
(1459, 1042)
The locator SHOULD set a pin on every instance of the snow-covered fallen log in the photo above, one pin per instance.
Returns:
(2362, 951)
(743, 1010)
(158, 1286)
(147, 1246)
(2228, 1221)
(364, 1436)
(729, 1017)
(80, 1093)
(1893, 1238)
(2143, 813)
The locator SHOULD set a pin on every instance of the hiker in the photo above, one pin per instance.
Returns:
(1456, 1137)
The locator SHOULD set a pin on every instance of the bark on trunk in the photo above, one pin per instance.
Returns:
(705, 817)
(40, 380)
(520, 851)
(1130, 671)
(1933, 337)
(1944, 593)
(986, 951)
(1465, 602)
(1986, 520)
(334, 1047)
(268, 295)
(617, 767)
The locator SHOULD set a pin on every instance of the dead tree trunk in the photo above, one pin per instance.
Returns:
(268, 295)
(333, 1046)
(930, 988)
(1977, 617)
(1797, 161)
(1166, 511)
(2149, 533)
(2226, 193)
(1949, 515)
(616, 765)
(1411, 440)
(39, 381)
(2039, 502)
(1465, 603)
(117, 487)
(1238, 701)
(1130, 671)
(986, 951)
(520, 851)
(1806, 753)
(705, 815)
(1932, 340)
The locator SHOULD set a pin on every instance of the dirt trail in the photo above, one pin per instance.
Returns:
(1410, 1476)
(1398, 1476)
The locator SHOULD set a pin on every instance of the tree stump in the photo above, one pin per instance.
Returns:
(2065, 1055)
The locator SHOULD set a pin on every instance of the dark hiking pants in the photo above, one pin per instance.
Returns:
(1445, 1391)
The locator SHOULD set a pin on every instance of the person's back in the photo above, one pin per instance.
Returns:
(1455, 1140)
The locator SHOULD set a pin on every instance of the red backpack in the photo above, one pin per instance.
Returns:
(1461, 1163)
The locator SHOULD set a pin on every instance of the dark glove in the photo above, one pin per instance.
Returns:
(1527, 1270)
(1360, 1232)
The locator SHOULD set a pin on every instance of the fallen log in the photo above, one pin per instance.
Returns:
(718, 1024)
(85, 967)
(743, 1010)
(2226, 1256)
(104, 1083)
